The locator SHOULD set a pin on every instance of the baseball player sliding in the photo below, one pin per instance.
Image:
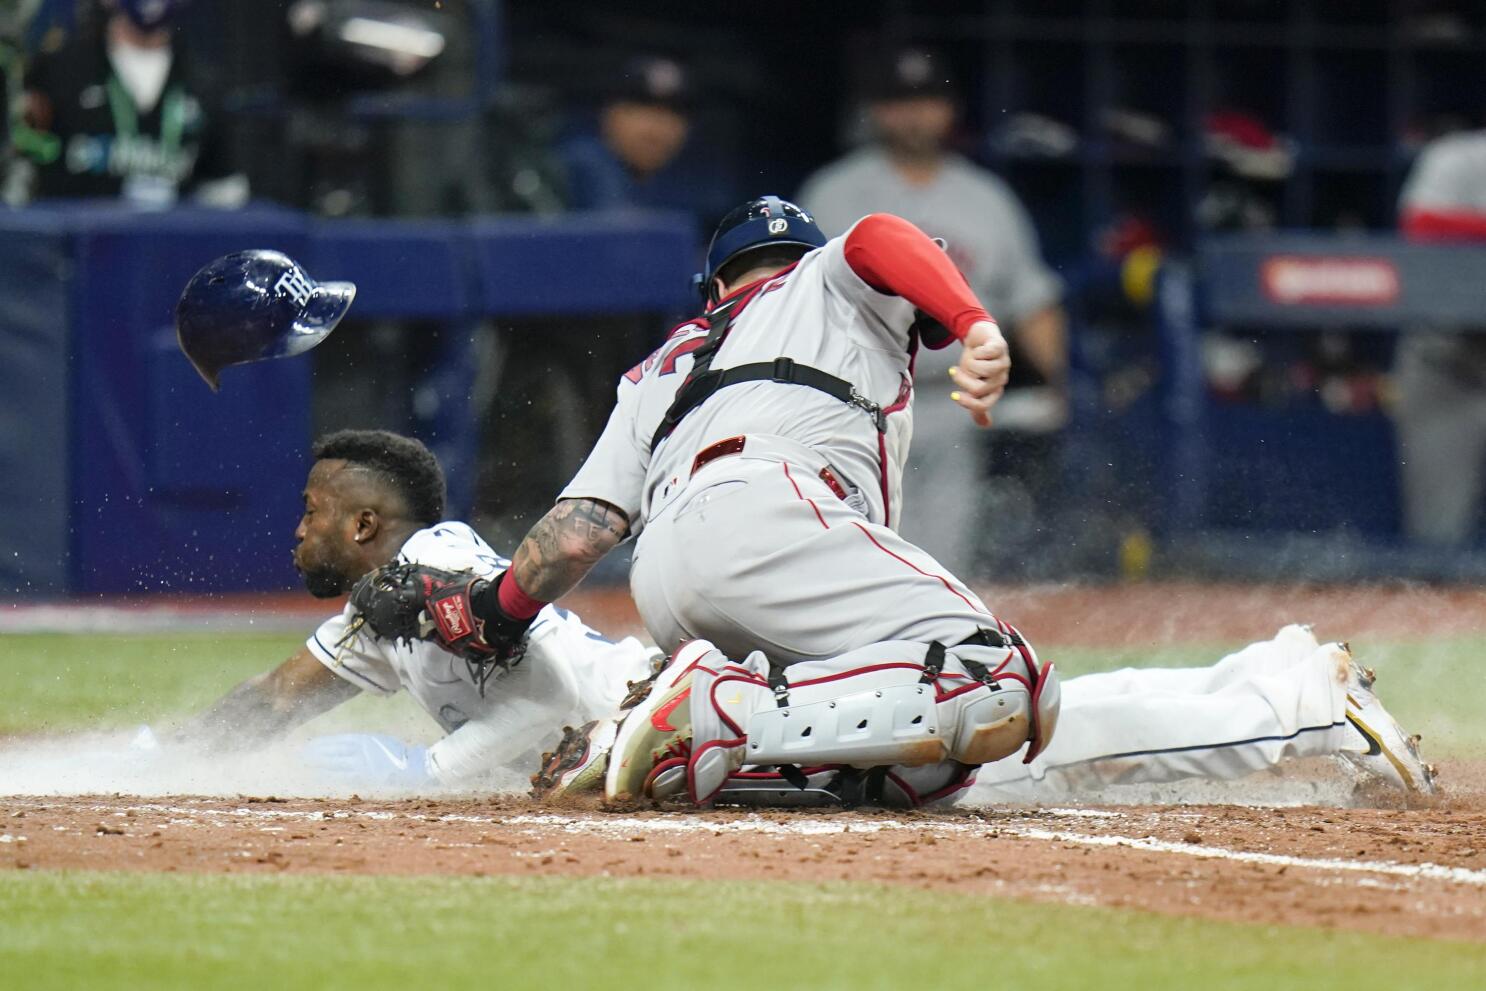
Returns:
(375, 501)
(374, 498)
(756, 457)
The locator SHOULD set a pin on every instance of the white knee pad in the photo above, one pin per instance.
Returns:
(1047, 697)
(993, 724)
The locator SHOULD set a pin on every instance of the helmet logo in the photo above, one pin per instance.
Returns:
(294, 284)
(778, 225)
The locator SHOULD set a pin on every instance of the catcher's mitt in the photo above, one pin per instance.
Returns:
(406, 601)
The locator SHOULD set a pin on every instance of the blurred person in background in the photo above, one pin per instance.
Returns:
(12, 18)
(1441, 372)
(909, 170)
(633, 156)
(118, 111)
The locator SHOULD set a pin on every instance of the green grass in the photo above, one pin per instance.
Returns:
(55, 683)
(75, 930)
(52, 683)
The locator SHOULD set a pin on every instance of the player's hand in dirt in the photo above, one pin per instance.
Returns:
(368, 759)
(981, 373)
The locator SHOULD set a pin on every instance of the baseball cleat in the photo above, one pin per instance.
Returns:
(578, 764)
(654, 739)
(1380, 748)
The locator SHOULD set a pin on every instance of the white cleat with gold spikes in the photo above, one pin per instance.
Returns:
(1377, 745)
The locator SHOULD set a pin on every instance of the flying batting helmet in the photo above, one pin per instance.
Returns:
(251, 305)
(765, 222)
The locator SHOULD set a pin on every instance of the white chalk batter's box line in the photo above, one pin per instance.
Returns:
(624, 826)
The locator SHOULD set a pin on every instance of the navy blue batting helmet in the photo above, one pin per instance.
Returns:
(765, 222)
(251, 305)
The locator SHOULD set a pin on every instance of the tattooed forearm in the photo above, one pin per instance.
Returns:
(565, 544)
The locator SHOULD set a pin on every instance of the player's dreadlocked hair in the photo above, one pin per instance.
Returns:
(404, 464)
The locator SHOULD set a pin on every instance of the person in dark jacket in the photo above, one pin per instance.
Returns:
(117, 111)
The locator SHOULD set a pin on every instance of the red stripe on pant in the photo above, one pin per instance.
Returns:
(796, 485)
(942, 580)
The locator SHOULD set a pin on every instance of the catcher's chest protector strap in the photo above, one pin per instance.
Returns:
(704, 381)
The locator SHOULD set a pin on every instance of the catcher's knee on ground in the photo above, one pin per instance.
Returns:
(894, 703)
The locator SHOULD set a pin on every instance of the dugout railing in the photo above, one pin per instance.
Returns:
(1297, 492)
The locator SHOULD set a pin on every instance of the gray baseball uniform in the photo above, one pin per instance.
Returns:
(1441, 375)
(782, 544)
(993, 242)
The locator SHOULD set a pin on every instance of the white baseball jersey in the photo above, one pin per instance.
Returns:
(818, 313)
(570, 673)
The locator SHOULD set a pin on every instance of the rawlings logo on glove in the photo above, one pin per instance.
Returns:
(415, 602)
(454, 620)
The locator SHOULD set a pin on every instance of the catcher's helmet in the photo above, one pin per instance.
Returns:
(255, 304)
(761, 223)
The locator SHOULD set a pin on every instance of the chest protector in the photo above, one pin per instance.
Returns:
(704, 380)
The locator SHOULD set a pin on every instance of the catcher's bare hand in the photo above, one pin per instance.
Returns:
(981, 374)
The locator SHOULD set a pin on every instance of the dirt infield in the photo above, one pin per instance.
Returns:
(1420, 872)
(1175, 612)
(1416, 871)
(1084, 615)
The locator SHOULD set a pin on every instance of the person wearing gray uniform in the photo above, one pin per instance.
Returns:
(909, 171)
(756, 457)
(1441, 372)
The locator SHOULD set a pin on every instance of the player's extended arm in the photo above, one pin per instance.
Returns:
(893, 256)
(482, 620)
(268, 705)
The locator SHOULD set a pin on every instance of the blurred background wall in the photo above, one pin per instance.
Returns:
(1213, 188)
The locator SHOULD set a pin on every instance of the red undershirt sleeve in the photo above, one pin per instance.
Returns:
(895, 257)
(1426, 224)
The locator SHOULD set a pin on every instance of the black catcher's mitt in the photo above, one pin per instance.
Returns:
(405, 601)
